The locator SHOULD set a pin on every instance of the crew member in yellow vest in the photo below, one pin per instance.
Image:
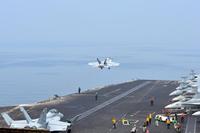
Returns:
(114, 121)
(147, 121)
(150, 118)
(168, 123)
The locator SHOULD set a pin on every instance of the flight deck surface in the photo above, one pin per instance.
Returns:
(128, 100)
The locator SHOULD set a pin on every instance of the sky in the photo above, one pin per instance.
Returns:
(45, 45)
(136, 22)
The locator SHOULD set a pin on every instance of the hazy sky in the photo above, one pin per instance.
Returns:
(169, 22)
(45, 45)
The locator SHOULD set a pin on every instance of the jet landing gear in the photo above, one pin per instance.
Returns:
(68, 131)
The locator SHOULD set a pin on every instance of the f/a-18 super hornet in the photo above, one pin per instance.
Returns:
(107, 63)
(50, 120)
(187, 98)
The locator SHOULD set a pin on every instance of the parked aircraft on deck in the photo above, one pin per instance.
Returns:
(50, 120)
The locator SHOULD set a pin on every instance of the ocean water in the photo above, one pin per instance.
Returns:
(30, 73)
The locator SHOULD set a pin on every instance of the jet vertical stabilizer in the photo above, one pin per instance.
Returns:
(28, 118)
(43, 117)
(7, 118)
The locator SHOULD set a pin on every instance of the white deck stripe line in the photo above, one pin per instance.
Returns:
(112, 100)
(186, 130)
(112, 92)
(195, 125)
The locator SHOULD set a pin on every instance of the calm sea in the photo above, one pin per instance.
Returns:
(33, 73)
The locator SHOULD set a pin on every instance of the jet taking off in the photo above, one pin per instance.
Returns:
(107, 63)
(48, 120)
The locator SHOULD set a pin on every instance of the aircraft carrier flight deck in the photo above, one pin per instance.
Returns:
(129, 100)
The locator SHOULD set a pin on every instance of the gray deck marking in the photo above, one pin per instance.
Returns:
(107, 94)
(186, 130)
(135, 113)
(136, 121)
(112, 100)
(195, 125)
(191, 125)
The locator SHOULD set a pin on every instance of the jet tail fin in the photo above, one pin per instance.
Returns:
(7, 118)
(105, 62)
(43, 116)
(28, 118)
(98, 61)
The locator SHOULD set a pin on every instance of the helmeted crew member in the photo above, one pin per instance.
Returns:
(147, 121)
(176, 116)
(160, 118)
(168, 123)
(96, 96)
(152, 101)
(150, 118)
(79, 90)
(114, 121)
(182, 118)
(174, 121)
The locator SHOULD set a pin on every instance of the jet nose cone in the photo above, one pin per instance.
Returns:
(174, 105)
(175, 99)
(196, 113)
(175, 93)
(172, 93)
(168, 106)
(178, 98)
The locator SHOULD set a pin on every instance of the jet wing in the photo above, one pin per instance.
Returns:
(93, 64)
(19, 124)
(110, 64)
(194, 103)
(58, 126)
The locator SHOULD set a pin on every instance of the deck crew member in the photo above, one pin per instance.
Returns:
(114, 121)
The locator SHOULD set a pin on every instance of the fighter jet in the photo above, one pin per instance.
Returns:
(181, 97)
(193, 101)
(184, 102)
(50, 121)
(176, 105)
(193, 76)
(196, 113)
(185, 88)
(186, 83)
(183, 84)
(187, 91)
(107, 63)
(188, 96)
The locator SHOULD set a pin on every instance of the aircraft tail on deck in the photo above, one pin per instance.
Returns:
(43, 117)
(26, 115)
(7, 118)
